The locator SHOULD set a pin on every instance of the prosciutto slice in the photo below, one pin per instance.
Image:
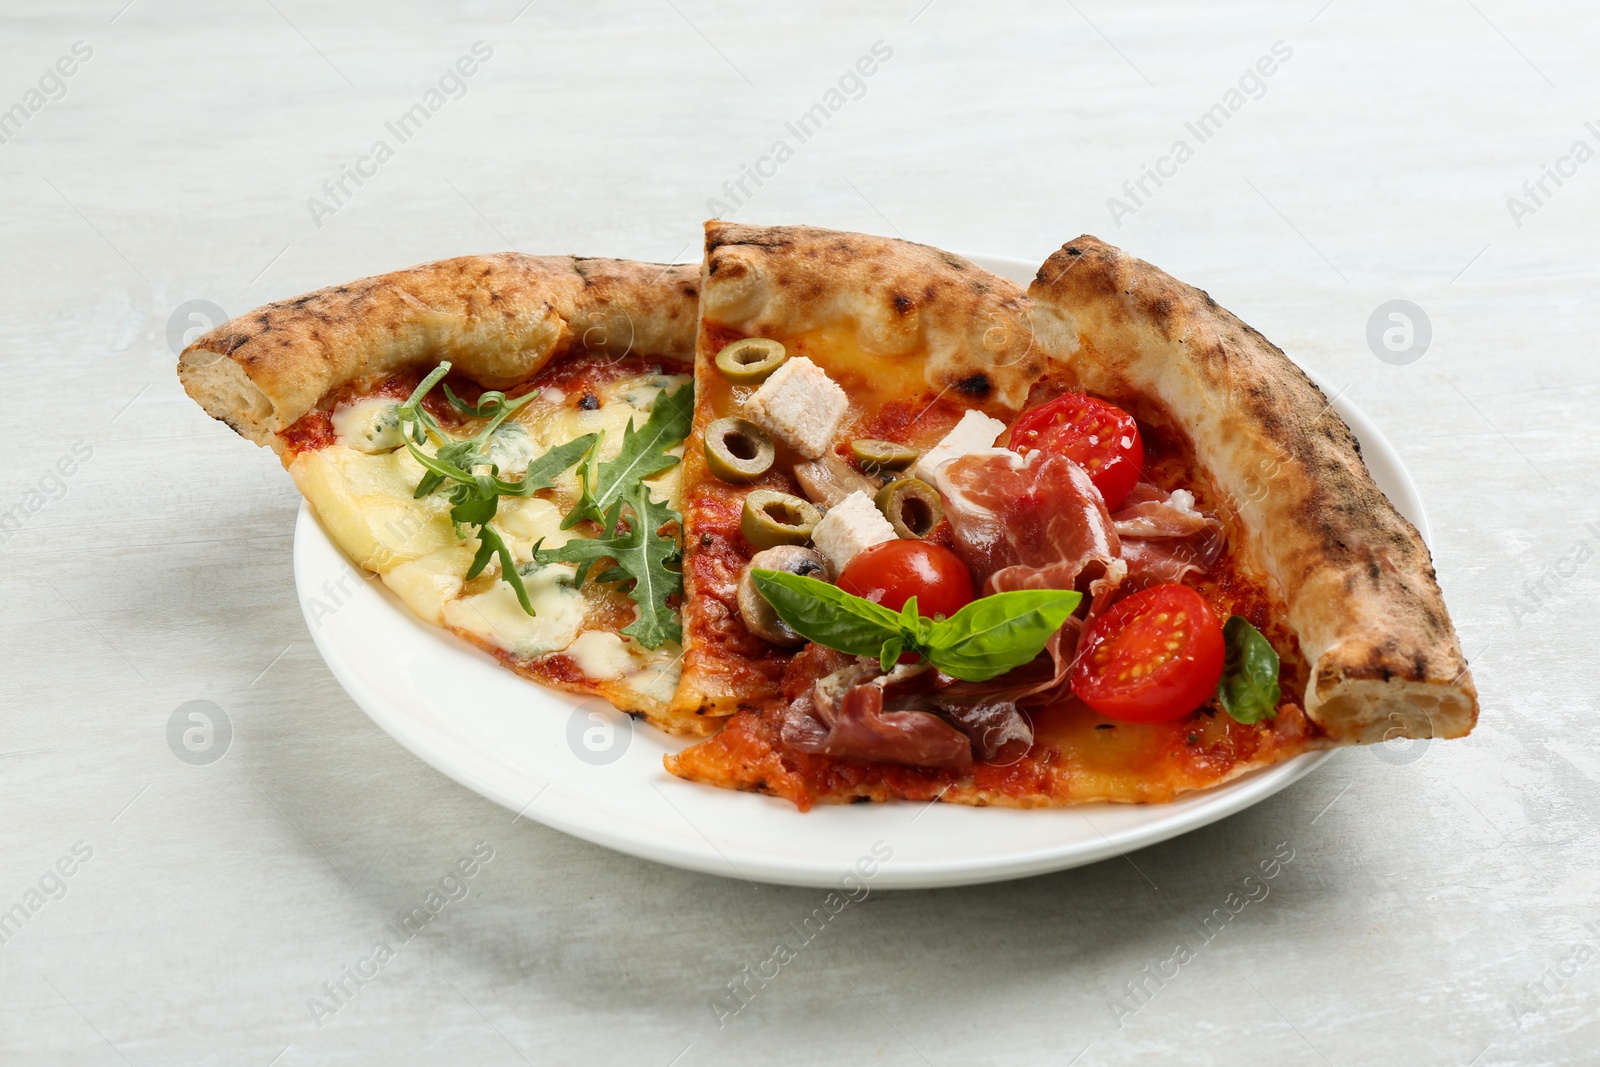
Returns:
(1029, 522)
(1164, 538)
(844, 716)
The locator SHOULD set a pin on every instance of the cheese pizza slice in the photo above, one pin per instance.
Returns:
(948, 540)
(498, 438)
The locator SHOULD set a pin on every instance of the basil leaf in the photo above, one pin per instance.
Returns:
(891, 652)
(827, 614)
(995, 634)
(1249, 687)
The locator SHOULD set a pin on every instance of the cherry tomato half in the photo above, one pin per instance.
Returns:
(1100, 437)
(895, 571)
(1154, 656)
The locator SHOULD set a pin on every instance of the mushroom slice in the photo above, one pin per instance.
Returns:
(759, 618)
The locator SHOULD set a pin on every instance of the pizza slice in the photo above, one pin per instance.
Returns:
(498, 438)
(1099, 541)
(812, 341)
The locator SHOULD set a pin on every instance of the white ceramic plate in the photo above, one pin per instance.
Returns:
(581, 767)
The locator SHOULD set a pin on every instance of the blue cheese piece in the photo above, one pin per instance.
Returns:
(800, 406)
(369, 426)
(850, 526)
(976, 432)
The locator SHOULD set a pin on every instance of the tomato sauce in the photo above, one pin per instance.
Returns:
(577, 377)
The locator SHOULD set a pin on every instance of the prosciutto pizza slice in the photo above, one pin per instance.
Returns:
(496, 437)
(1096, 541)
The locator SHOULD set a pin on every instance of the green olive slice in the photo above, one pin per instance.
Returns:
(912, 507)
(772, 518)
(738, 451)
(873, 455)
(751, 360)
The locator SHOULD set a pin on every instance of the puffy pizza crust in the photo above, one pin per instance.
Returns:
(499, 318)
(970, 326)
(1358, 582)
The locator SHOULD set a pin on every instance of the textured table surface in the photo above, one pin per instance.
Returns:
(1440, 904)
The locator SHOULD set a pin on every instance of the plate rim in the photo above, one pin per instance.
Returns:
(1180, 817)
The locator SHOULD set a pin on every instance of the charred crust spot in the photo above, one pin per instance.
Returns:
(1074, 251)
(859, 799)
(691, 291)
(705, 540)
(589, 402)
(902, 303)
(977, 385)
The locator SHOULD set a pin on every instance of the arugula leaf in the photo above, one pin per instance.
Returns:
(1249, 687)
(828, 615)
(491, 544)
(489, 403)
(643, 454)
(640, 555)
(986, 638)
(476, 509)
(412, 411)
(474, 497)
(543, 472)
(995, 634)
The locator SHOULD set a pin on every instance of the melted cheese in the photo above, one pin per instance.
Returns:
(658, 674)
(496, 617)
(602, 655)
(525, 521)
(426, 584)
(371, 425)
(362, 488)
(365, 502)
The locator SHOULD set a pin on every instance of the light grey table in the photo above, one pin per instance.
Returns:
(1441, 905)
